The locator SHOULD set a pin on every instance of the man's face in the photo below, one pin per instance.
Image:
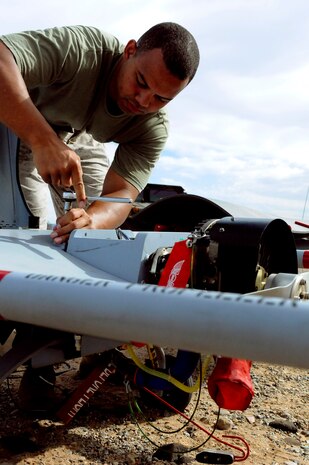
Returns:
(142, 83)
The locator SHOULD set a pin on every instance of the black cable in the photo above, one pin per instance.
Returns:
(175, 431)
(189, 419)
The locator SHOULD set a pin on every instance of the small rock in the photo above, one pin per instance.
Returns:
(170, 452)
(283, 425)
(305, 450)
(130, 459)
(46, 423)
(205, 419)
(224, 424)
(250, 419)
(224, 412)
(191, 430)
(292, 441)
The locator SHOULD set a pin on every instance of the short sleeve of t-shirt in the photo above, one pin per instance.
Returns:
(135, 159)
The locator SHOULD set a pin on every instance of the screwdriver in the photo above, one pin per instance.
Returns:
(69, 197)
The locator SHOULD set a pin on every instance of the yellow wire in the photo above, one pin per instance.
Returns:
(168, 377)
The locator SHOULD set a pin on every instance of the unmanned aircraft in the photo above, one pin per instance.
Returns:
(183, 271)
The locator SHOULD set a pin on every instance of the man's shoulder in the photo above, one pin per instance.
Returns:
(94, 34)
(81, 36)
(89, 37)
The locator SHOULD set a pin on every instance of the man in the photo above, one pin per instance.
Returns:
(63, 85)
(64, 92)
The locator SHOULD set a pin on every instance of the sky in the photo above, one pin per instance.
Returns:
(239, 131)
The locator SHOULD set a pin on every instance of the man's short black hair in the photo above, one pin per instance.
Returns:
(179, 48)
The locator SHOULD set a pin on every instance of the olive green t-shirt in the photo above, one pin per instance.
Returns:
(67, 71)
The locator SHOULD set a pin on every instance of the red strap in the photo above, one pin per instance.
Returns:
(85, 391)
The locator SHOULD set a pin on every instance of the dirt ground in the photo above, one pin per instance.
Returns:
(275, 426)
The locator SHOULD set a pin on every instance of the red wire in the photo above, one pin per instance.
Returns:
(245, 454)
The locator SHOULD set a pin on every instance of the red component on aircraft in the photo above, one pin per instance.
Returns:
(176, 273)
(161, 227)
(3, 273)
(306, 259)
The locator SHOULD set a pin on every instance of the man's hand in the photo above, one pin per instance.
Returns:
(99, 215)
(61, 167)
(76, 218)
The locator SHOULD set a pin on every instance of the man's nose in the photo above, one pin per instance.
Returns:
(144, 98)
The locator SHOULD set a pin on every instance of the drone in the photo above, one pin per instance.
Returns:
(183, 271)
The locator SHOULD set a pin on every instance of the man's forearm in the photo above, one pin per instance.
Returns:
(105, 215)
(16, 108)
(55, 162)
(111, 215)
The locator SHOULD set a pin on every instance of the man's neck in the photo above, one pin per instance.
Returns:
(112, 106)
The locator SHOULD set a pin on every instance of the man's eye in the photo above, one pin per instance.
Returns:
(162, 99)
(141, 84)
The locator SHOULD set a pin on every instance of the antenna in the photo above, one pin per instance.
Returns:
(305, 203)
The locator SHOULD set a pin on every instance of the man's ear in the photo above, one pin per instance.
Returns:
(130, 49)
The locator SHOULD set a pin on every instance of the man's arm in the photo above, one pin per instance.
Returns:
(99, 215)
(56, 163)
